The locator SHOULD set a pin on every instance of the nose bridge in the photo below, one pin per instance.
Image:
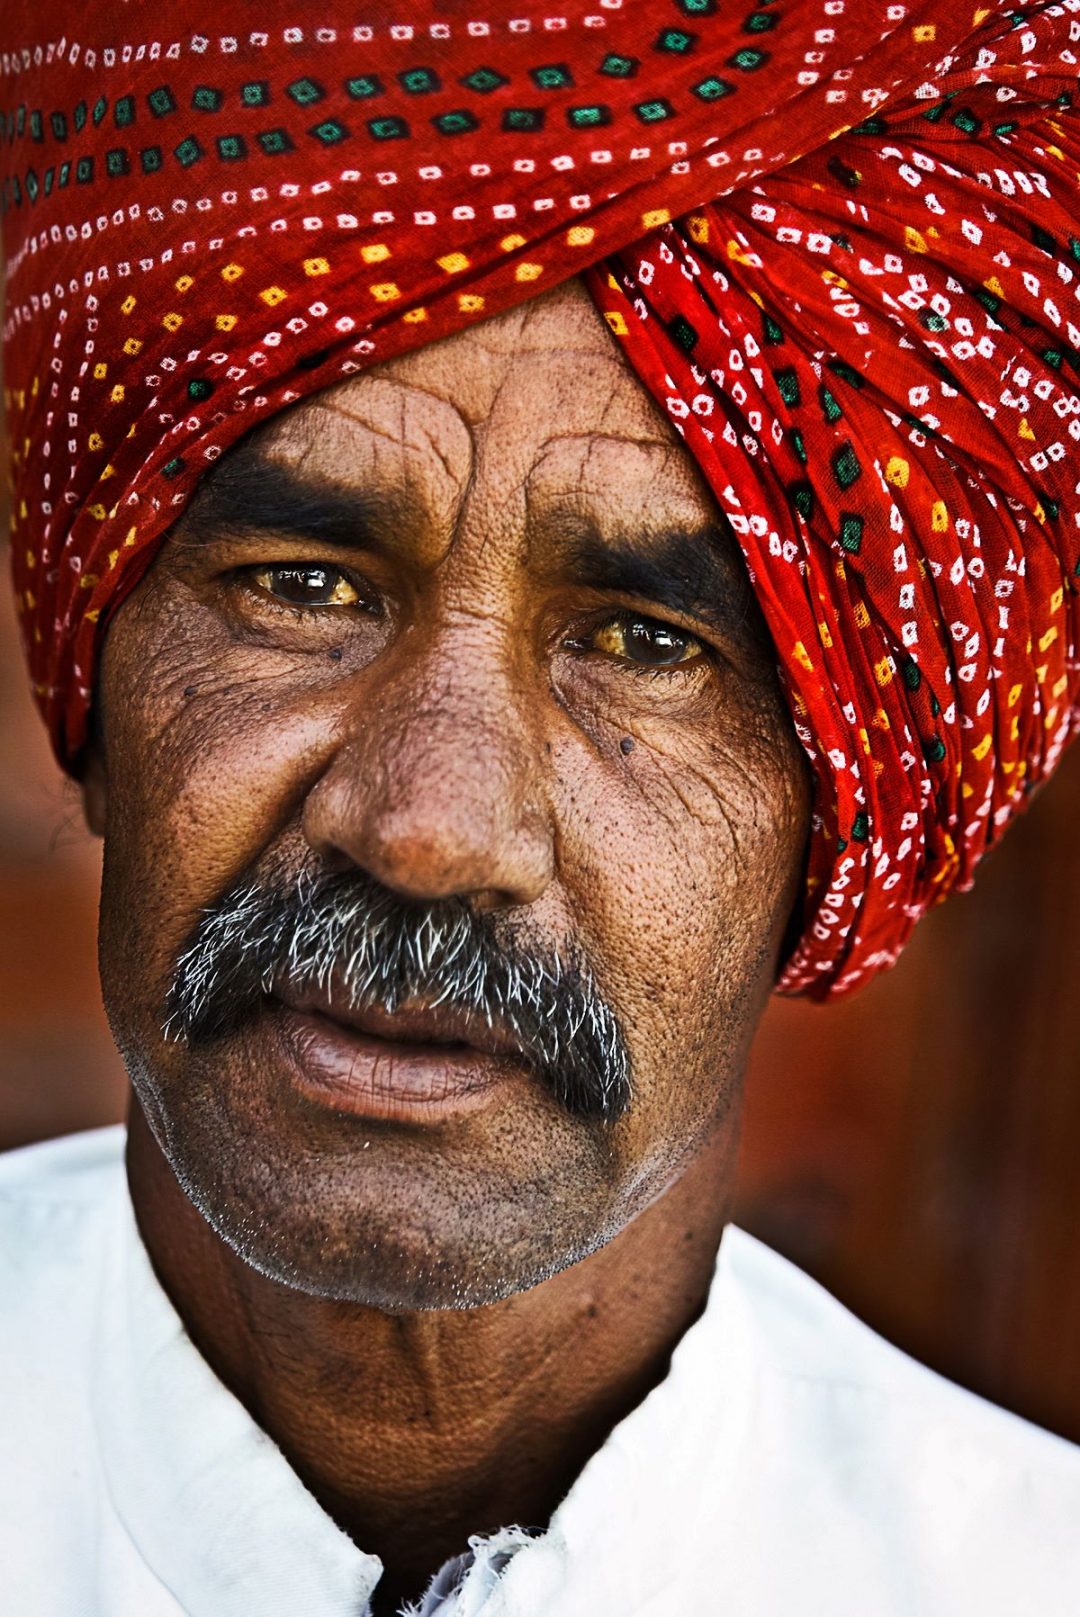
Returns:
(438, 788)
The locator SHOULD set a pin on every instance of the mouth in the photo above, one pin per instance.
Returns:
(418, 1064)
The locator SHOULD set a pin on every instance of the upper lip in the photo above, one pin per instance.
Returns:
(411, 1023)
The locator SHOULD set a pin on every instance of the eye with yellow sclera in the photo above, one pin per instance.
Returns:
(641, 642)
(646, 643)
(294, 585)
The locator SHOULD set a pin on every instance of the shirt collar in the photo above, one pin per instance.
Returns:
(228, 1527)
(208, 1499)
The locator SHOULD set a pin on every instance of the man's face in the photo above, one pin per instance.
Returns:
(448, 689)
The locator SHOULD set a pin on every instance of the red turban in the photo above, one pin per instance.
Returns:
(837, 240)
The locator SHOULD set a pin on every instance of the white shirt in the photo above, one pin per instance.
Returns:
(791, 1464)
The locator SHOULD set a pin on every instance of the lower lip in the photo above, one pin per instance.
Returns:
(356, 1073)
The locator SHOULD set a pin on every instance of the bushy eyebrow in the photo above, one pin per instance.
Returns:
(694, 572)
(251, 493)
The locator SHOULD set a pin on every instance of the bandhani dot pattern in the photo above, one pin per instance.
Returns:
(837, 240)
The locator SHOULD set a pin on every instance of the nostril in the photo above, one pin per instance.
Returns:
(336, 861)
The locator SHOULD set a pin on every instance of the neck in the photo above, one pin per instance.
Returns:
(416, 1430)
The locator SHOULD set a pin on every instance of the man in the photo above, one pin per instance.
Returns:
(458, 818)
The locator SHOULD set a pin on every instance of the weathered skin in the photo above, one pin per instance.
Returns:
(453, 742)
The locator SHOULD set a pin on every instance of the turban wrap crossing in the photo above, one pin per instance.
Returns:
(837, 240)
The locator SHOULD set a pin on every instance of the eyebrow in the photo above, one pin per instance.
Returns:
(252, 493)
(695, 572)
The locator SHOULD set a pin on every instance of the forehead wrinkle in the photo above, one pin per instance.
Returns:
(592, 444)
(414, 432)
(571, 500)
(431, 458)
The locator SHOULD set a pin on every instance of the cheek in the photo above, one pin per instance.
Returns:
(210, 751)
(688, 852)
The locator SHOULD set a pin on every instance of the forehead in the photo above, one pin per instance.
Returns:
(539, 399)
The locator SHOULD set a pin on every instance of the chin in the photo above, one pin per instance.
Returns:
(396, 1223)
(396, 1267)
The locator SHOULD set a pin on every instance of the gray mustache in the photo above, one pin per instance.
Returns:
(347, 936)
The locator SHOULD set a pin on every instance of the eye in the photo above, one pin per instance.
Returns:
(645, 642)
(307, 584)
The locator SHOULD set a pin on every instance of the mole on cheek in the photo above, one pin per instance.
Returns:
(626, 745)
(335, 654)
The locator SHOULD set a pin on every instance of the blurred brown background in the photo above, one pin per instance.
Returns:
(915, 1148)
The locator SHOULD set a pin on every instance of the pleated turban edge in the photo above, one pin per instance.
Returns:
(839, 245)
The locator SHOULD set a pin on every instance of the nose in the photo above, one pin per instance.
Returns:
(438, 789)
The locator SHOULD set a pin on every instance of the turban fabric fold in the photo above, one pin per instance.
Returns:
(837, 240)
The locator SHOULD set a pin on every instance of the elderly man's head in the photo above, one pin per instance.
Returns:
(447, 700)
(453, 820)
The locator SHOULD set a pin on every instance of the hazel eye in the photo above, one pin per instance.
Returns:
(646, 642)
(314, 585)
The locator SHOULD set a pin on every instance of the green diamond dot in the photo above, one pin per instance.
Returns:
(419, 81)
(275, 141)
(189, 151)
(330, 131)
(748, 59)
(305, 91)
(363, 87)
(615, 66)
(676, 40)
(788, 383)
(851, 532)
(483, 80)
(161, 102)
(455, 123)
(388, 128)
(845, 465)
(712, 88)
